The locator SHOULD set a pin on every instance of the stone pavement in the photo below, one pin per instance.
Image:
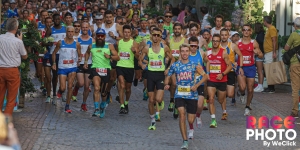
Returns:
(43, 126)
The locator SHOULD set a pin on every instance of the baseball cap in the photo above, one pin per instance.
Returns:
(12, 1)
(134, 3)
(234, 33)
(98, 16)
(193, 11)
(100, 31)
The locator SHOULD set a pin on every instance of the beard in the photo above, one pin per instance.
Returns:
(177, 34)
(100, 43)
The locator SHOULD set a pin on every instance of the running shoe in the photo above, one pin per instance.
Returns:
(126, 108)
(152, 126)
(118, 98)
(233, 102)
(294, 115)
(48, 99)
(96, 113)
(185, 145)
(171, 107)
(145, 95)
(157, 117)
(161, 105)
(191, 133)
(58, 94)
(74, 98)
(175, 113)
(213, 123)
(102, 112)
(54, 100)
(238, 93)
(199, 122)
(205, 105)
(68, 110)
(224, 116)
(247, 112)
(259, 89)
(44, 92)
(122, 111)
(242, 99)
(64, 98)
(83, 107)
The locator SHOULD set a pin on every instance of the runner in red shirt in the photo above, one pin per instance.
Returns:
(249, 48)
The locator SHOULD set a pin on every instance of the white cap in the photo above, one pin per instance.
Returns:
(234, 33)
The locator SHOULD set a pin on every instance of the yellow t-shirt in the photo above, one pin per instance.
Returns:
(293, 41)
(268, 44)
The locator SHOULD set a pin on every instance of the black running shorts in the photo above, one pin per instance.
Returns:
(82, 70)
(218, 85)
(104, 78)
(127, 73)
(189, 104)
(155, 80)
(231, 78)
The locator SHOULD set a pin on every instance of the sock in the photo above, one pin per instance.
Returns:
(122, 106)
(83, 102)
(213, 116)
(126, 102)
(172, 100)
(96, 104)
(152, 118)
(67, 106)
(198, 115)
(224, 111)
(191, 126)
(260, 85)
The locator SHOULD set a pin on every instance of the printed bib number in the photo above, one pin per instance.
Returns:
(184, 90)
(215, 68)
(155, 63)
(68, 61)
(101, 71)
(124, 55)
(246, 59)
(175, 53)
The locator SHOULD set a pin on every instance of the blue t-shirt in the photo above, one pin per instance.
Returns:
(197, 59)
(185, 79)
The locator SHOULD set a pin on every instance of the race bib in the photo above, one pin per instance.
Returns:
(124, 55)
(184, 90)
(83, 55)
(215, 68)
(41, 55)
(175, 53)
(101, 71)
(246, 59)
(68, 61)
(155, 63)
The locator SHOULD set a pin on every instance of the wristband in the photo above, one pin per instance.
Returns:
(54, 63)
(223, 74)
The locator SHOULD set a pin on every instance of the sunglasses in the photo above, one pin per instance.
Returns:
(194, 46)
(77, 26)
(168, 16)
(79, 18)
(121, 23)
(157, 35)
(214, 41)
(100, 35)
(93, 16)
(246, 29)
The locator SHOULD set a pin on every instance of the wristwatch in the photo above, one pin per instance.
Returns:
(223, 74)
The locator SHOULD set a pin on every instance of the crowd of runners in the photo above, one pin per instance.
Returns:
(95, 48)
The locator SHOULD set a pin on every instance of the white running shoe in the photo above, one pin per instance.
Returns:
(199, 122)
(247, 112)
(258, 89)
(63, 97)
(191, 133)
(242, 99)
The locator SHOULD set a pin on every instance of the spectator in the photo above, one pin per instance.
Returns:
(72, 10)
(168, 8)
(293, 41)
(175, 12)
(181, 15)
(8, 132)
(11, 51)
(260, 36)
(205, 23)
(270, 47)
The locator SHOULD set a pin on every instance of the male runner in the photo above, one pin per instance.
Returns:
(113, 34)
(196, 56)
(77, 27)
(156, 69)
(218, 67)
(174, 44)
(57, 32)
(249, 48)
(186, 95)
(127, 50)
(83, 74)
(232, 50)
(218, 21)
(101, 53)
(70, 55)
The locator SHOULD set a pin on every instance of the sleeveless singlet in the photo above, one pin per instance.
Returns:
(113, 29)
(68, 56)
(247, 52)
(57, 34)
(84, 44)
(217, 65)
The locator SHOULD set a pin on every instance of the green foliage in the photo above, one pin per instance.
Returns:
(253, 11)
(165, 3)
(222, 7)
(282, 40)
(152, 11)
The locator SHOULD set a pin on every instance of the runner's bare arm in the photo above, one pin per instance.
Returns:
(142, 56)
(114, 53)
(168, 53)
(79, 51)
(136, 50)
(257, 51)
(48, 32)
(238, 52)
(207, 62)
(120, 31)
(228, 63)
(87, 54)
